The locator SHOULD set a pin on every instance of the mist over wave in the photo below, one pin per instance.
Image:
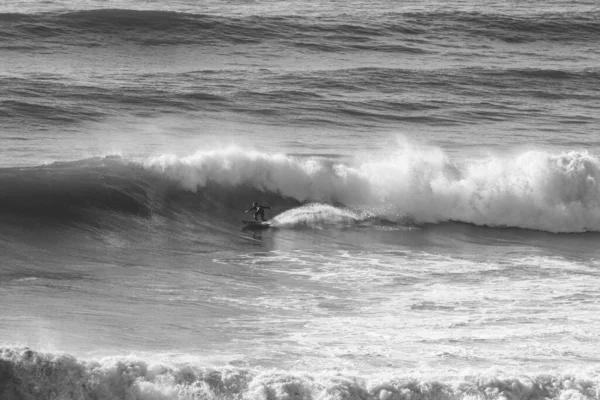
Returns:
(29, 374)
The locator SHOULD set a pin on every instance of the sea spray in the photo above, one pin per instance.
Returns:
(556, 192)
(301, 179)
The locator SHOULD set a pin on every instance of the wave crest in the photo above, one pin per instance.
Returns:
(301, 179)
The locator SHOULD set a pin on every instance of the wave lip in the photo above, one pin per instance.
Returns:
(301, 179)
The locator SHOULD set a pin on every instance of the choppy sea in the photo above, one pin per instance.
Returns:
(433, 169)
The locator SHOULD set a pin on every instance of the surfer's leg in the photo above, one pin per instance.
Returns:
(256, 215)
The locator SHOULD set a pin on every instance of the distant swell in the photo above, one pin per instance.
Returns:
(109, 26)
(303, 97)
(26, 374)
(515, 28)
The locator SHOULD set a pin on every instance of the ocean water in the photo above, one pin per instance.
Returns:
(433, 169)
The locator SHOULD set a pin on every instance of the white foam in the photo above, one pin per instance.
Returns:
(558, 192)
(29, 374)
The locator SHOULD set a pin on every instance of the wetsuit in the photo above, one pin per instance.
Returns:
(260, 210)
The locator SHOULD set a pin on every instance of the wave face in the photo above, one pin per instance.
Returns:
(105, 27)
(555, 192)
(73, 191)
(27, 374)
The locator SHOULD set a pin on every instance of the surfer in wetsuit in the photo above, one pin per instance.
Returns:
(259, 210)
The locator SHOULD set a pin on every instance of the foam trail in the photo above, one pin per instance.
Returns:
(534, 189)
(316, 215)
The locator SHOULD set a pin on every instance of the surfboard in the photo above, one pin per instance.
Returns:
(256, 224)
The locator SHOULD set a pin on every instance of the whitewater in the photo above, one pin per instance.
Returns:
(433, 169)
(535, 190)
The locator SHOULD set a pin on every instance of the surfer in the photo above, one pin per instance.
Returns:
(259, 210)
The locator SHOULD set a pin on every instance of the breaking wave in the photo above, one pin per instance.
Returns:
(26, 374)
(555, 192)
(536, 190)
